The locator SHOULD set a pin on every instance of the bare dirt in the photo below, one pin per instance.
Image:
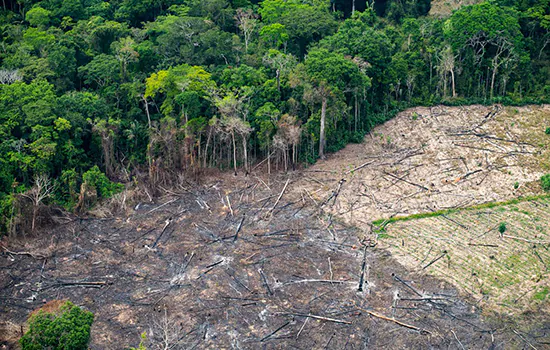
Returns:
(444, 8)
(238, 263)
(428, 159)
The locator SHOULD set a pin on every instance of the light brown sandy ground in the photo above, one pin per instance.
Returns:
(429, 159)
(443, 8)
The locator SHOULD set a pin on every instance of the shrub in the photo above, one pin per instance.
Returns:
(516, 185)
(105, 188)
(547, 131)
(67, 329)
(545, 182)
(502, 227)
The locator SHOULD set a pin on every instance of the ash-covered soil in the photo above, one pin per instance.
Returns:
(239, 263)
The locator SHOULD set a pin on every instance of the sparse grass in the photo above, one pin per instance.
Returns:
(545, 182)
(481, 261)
(437, 213)
(542, 294)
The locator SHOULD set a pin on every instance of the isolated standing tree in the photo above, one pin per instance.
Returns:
(247, 21)
(42, 189)
(447, 65)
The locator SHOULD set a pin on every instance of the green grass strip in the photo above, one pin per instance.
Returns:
(382, 223)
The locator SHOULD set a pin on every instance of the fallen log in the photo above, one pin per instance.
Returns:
(238, 229)
(360, 167)
(274, 332)
(320, 318)
(278, 198)
(406, 181)
(32, 255)
(363, 265)
(526, 240)
(435, 260)
(403, 324)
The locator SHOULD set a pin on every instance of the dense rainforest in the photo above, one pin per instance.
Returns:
(97, 93)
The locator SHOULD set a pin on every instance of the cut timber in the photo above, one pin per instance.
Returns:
(406, 181)
(321, 318)
(360, 167)
(279, 198)
(32, 255)
(403, 324)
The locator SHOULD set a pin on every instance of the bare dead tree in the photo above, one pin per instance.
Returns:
(8, 76)
(446, 66)
(43, 188)
(166, 333)
(247, 22)
(504, 55)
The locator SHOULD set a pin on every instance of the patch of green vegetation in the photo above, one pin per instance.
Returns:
(380, 223)
(68, 330)
(547, 131)
(545, 182)
(542, 294)
(512, 261)
(384, 236)
(502, 227)
(516, 185)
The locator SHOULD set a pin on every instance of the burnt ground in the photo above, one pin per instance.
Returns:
(182, 271)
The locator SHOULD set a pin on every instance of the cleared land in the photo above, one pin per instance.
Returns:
(428, 160)
(230, 266)
(251, 262)
(500, 255)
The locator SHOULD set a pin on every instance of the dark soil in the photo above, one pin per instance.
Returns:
(181, 274)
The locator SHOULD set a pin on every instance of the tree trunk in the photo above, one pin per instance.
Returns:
(294, 157)
(445, 85)
(107, 143)
(268, 159)
(493, 80)
(147, 111)
(322, 131)
(234, 152)
(356, 111)
(453, 82)
(34, 213)
(205, 156)
(245, 153)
